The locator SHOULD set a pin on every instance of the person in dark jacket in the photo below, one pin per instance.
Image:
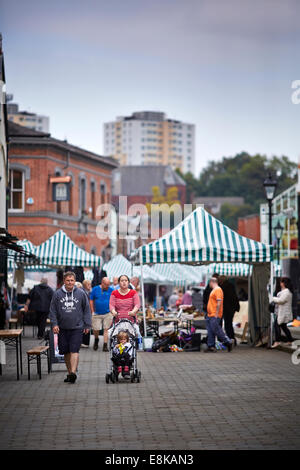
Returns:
(230, 306)
(39, 301)
(70, 316)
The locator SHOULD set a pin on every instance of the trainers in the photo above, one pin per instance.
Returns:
(105, 348)
(73, 378)
(67, 379)
(96, 344)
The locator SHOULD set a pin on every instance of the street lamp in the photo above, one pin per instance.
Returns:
(270, 186)
(278, 233)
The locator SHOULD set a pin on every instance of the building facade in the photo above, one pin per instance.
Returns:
(249, 227)
(37, 162)
(3, 143)
(134, 188)
(33, 121)
(149, 138)
(214, 204)
(285, 211)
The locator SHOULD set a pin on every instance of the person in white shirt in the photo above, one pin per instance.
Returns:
(284, 312)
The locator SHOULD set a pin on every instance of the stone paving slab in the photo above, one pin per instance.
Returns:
(248, 399)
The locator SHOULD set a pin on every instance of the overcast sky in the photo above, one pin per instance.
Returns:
(226, 66)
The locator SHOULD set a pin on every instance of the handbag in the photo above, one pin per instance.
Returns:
(272, 307)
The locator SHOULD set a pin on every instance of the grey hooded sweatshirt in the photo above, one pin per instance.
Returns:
(70, 310)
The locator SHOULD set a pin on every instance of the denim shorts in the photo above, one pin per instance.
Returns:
(69, 341)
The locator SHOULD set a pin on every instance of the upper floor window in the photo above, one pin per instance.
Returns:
(17, 190)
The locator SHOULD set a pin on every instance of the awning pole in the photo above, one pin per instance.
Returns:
(12, 289)
(143, 294)
(270, 300)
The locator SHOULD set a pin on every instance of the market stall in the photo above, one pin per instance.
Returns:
(202, 239)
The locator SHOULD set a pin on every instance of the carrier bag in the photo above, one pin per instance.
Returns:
(162, 343)
(194, 344)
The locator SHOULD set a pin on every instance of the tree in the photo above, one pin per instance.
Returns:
(241, 176)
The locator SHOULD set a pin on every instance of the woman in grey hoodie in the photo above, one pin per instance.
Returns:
(70, 316)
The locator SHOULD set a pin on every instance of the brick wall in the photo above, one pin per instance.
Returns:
(249, 227)
(44, 217)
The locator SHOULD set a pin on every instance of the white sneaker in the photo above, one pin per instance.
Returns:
(275, 345)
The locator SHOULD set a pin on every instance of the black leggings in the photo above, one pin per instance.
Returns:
(285, 329)
(228, 317)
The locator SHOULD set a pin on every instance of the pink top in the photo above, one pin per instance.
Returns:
(123, 304)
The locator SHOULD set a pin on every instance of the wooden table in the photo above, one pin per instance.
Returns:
(13, 338)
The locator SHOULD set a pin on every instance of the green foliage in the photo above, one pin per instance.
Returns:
(170, 199)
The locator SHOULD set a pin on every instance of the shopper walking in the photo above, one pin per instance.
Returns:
(230, 306)
(86, 287)
(125, 302)
(207, 292)
(214, 314)
(284, 311)
(70, 316)
(39, 301)
(101, 316)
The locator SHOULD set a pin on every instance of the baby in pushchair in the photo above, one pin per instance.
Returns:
(122, 348)
(122, 354)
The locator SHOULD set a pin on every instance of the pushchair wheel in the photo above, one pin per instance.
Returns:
(113, 378)
(138, 376)
(132, 377)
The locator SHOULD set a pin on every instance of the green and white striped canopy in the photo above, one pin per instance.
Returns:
(120, 265)
(180, 274)
(60, 250)
(236, 270)
(201, 238)
(14, 259)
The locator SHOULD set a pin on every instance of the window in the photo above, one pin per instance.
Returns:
(93, 199)
(102, 193)
(16, 194)
(293, 199)
(82, 194)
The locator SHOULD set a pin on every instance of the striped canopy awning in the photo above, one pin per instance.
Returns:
(15, 260)
(60, 250)
(201, 238)
(120, 265)
(237, 269)
(180, 274)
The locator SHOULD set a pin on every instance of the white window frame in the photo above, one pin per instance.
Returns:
(11, 191)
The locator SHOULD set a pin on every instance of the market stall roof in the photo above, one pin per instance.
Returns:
(26, 255)
(180, 274)
(236, 269)
(60, 250)
(119, 265)
(201, 238)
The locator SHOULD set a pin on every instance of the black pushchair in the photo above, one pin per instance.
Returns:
(113, 375)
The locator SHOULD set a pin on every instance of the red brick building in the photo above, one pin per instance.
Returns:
(249, 227)
(36, 162)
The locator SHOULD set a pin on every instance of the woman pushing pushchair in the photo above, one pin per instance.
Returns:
(124, 305)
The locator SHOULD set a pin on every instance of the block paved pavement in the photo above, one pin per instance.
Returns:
(247, 399)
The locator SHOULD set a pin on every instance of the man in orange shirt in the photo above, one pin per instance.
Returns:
(214, 314)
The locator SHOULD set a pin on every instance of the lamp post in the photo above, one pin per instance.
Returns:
(278, 233)
(270, 187)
